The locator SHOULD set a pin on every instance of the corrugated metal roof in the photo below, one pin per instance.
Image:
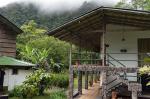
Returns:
(12, 62)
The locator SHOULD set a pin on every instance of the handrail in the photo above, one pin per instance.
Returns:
(114, 86)
(116, 60)
(111, 81)
(97, 57)
(112, 63)
(125, 74)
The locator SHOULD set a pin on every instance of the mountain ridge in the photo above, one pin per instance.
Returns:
(18, 14)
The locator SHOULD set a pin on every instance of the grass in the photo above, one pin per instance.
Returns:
(83, 82)
(76, 82)
(55, 94)
(44, 97)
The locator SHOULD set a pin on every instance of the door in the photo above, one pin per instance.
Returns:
(144, 52)
(2, 73)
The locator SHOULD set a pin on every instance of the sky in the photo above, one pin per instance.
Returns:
(59, 5)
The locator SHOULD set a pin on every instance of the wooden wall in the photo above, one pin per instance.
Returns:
(7, 41)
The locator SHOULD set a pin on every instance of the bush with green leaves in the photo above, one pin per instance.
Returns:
(60, 80)
(145, 70)
(15, 92)
(37, 76)
(31, 86)
(58, 95)
(36, 47)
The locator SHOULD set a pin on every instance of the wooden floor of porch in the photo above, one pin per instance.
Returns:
(92, 93)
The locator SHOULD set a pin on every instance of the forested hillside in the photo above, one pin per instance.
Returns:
(19, 13)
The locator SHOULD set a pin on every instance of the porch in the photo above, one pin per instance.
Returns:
(91, 93)
(115, 76)
(113, 38)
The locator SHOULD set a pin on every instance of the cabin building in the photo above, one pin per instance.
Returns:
(12, 71)
(121, 40)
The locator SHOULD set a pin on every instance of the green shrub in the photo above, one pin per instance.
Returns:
(58, 95)
(15, 92)
(60, 80)
(31, 86)
(75, 74)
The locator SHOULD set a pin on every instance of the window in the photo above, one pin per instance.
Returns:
(14, 71)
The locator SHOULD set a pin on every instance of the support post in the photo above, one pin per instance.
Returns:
(86, 79)
(98, 75)
(103, 49)
(70, 94)
(91, 78)
(80, 82)
(104, 84)
(134, 95)
(103, 79)
(135, 87)
(95, 78)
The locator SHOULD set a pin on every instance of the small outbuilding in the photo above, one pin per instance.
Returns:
(13, 71)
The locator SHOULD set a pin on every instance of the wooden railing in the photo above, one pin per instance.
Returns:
(112, 59)
(95, 58)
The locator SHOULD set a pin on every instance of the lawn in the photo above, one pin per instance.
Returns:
(38, 97)
(83, 82)
(50, 95)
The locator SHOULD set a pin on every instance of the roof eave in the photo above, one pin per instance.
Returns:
(16, 29)
(50, 33)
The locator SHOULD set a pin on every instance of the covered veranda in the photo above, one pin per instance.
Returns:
(89, 32)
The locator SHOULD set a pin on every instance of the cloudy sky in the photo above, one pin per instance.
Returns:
(58, 5)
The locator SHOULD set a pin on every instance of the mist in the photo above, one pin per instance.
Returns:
(57, 6)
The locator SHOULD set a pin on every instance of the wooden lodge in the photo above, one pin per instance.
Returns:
(8, 32)
(117, 40)
(12, 71)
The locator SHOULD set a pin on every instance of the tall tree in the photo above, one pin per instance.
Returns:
(134, 4)
(34, 46)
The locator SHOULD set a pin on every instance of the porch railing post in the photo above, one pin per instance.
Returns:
(134, 87)
(80, 82)
(86, 79)
(70, 94)
(103, 90)
(91, 80)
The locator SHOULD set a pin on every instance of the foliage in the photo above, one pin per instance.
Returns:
(31, 85)
(124, 4)
(56, 67)
(35, 47)
(25, 91)
(30, 32)
(52, 95)
(57, 49)
(134, 4)
(15, 92)
(144, 70)
(34, 55)
(19, 13)
(60, 80)
(37, 76)
(58, 95)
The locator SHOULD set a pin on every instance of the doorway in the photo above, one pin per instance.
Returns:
(2, 73)
(143, 53)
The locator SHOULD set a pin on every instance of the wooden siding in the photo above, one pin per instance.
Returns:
(7, 42)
